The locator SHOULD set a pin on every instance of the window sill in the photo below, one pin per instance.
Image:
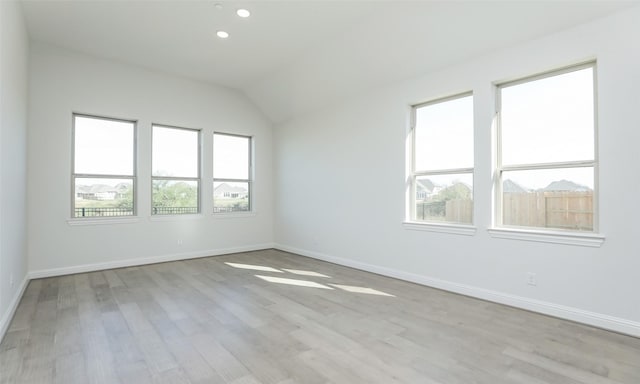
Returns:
(565, 238)
(454, 229)
(234, 215)
(103, 221)
(188, 216)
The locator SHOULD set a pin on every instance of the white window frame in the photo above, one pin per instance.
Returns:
(249, 181)
(435, 226)
(197, 179)
(75, 175)
(552, 235)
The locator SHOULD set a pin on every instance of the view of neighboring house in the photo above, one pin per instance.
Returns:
(101, 191)
(426, 188)
(510, 186)
(566, 185)
(227, 191)
(563, 204)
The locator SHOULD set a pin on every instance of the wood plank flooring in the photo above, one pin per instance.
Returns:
(277, 318)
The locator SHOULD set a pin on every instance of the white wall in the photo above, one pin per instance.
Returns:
(14, 50)
(62, 82)
(407, 39)
(340, 185)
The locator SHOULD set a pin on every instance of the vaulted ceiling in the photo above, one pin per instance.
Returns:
(292, 56)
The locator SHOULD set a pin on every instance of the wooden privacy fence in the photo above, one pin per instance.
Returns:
(452, 211)
(459, 211)
(562, 210)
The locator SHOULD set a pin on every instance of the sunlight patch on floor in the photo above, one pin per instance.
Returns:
(254, 267)
(300, 283)
(305, 273)
(354, 289)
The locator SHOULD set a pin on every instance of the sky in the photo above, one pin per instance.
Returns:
(175, 152)
(230, 157)
(543, 121)
(105, 147)
(444, 135)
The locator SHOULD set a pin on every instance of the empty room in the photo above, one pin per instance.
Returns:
(314, 192)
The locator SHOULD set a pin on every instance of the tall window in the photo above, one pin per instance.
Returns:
(103, 167)
(175, 170)
(442, 163)
(231, 173)
(546, 151)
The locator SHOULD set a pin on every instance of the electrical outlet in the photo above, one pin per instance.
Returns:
(532, 279)
(179, 242)
(11, 282)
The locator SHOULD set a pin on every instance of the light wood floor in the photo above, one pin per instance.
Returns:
(205, 321)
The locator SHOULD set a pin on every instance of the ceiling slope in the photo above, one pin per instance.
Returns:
(293, 56)
(409, 39)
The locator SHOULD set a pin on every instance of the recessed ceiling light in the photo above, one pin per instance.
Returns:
(222, 34)
(243, 12)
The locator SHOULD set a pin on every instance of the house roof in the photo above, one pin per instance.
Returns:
(224, 187)
(510, 186)
(425, 185)
(95, 188)
(566, 185)
(102, 188)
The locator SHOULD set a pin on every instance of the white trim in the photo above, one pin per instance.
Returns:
(6, 318)
(234, 215)
(500, 168)
(176, 217)
(578, 315)
(574, 238)
(38, 274)
(455, 229)
(103, 221)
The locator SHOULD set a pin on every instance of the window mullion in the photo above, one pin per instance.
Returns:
(230, 153)
(558, 165)
(176, 151)
(444, 172)
(101, 144)
(101, 176)
(555, 194)
(444, 141)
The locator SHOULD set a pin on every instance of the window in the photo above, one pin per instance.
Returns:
(231, 173)
(546, 151)
(442, 161)
(103, 167)
(175, 173)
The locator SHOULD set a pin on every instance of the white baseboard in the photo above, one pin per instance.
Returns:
(143, 261)
(6, 318)
(599, 320)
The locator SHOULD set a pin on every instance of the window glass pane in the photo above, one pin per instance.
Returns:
(175, 152)
(445, 198)
(103, 197)
(103, 146)
(230, 197)
(550, 198)
(230, 157)
(444, 135)
(548, 120)
(172, 197)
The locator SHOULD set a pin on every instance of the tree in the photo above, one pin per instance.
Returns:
(167, 193)
(456, 191)
(125, 196)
